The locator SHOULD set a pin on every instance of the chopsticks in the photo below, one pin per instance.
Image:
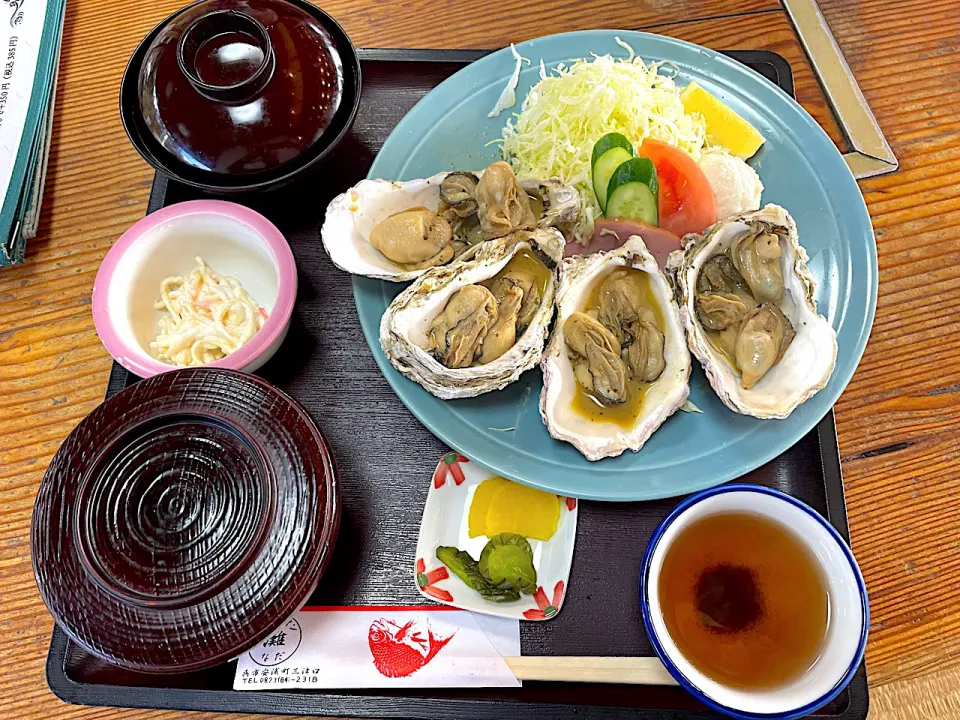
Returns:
(622, 670)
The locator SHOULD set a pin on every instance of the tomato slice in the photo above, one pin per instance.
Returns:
(686, 201)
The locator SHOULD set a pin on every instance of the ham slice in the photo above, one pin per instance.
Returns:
(611, 233)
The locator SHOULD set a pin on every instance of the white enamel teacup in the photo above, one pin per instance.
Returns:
(844, 643)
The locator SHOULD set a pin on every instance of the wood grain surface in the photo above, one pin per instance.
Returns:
(897, 420)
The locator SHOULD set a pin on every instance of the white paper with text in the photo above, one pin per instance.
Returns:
(388, 647)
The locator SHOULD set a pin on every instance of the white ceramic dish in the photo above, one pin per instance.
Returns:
(232, 239)
(843, 648)
(445, 518)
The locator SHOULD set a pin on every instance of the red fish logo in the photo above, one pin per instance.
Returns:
(399, 651)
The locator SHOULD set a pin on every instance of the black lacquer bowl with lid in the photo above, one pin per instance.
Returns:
(240, 95)
(185, 519)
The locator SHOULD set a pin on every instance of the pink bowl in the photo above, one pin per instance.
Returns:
(231, 239)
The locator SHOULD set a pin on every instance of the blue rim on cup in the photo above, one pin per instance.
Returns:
(844, 645)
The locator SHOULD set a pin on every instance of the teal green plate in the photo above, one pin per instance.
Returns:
(801, 169)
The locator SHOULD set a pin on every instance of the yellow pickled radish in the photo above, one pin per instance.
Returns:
(500, 505)
(724, 127)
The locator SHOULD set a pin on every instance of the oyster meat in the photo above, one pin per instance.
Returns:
(459, 191)
(746, 299)
(617, 364)
(502, 205)
(398, 230)
(475, 325)
(594, 352)
(765, 334)
(458, 334)
(416, 238)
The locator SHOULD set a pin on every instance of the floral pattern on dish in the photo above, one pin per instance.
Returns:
(445, 522)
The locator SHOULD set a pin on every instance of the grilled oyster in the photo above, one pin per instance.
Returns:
(617, 364)
(475, 325)
(746, 298)
(398, 230)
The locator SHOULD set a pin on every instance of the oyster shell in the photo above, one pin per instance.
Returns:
(607, 346)
(746, 299)
(444, 333)
(352, 216)
(559, 204)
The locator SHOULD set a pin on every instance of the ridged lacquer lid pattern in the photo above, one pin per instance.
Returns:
(184, 519)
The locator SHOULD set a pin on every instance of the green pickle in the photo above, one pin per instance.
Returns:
(508, 560)
(504, 571)
(461, 564)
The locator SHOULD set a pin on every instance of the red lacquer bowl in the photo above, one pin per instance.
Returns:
(239, 95)
(184, 519)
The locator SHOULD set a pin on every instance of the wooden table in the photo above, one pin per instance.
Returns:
(898, 420)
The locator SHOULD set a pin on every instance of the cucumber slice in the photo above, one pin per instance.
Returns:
(603, 170)
(608, 142)
(632, 191)
(635, 201)
(608, 152)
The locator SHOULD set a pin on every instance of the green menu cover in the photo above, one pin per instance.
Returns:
(30, 36)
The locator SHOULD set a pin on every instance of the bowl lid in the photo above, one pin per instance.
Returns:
(184, 520)
(234, 87)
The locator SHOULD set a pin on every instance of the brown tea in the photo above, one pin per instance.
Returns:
(743, 600)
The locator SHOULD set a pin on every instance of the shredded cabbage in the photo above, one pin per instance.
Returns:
(565, 113)
(508, 98)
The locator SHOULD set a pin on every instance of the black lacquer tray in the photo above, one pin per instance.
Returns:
(386, 458)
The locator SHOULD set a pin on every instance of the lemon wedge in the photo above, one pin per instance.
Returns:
(502, 506)
(724, 127)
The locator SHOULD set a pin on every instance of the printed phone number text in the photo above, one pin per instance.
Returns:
(281, 679)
